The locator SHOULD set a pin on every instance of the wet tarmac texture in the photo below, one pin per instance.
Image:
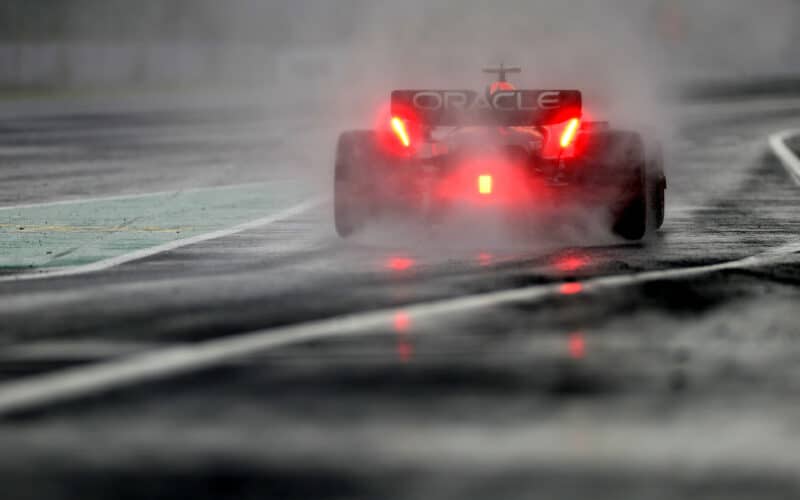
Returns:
(668, 388)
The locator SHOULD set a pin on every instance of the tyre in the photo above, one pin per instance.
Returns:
(657, 186)
(630, 221)
(620, 159)
(355, 153)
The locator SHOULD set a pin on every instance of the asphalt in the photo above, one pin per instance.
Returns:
(666, 388)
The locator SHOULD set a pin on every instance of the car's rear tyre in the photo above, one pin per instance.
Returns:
(630, 221)
(355, 155)
(657, 186)
(618, 160)
(658, 203)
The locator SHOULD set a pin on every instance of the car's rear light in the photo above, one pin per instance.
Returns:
(399, 128)
(570, 132)
(485, 184)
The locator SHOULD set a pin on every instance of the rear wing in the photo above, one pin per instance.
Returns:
(513, 108)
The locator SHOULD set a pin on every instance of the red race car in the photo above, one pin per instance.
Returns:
(507, 149)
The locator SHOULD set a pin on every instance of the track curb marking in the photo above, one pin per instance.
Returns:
(133, 196)
(173, 245)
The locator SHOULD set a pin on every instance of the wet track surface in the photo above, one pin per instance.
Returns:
(652, 389)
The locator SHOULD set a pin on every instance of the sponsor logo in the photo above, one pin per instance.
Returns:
(501, 101)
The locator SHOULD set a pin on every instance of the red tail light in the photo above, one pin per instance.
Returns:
(400, 130)
(570, 132)
(485, 184)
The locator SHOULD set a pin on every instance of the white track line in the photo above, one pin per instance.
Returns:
(151, 251)
(40, 391)
(785, 153)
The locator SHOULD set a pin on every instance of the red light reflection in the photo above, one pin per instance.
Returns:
(571, 288)
(572, 263)
(485, 259)
(402, 324)
(405, 351)
(576, 345)
(400, 264)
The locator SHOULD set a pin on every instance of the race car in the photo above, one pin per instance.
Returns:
(505, 149)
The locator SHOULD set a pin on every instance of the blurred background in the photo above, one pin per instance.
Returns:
(91, 43)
